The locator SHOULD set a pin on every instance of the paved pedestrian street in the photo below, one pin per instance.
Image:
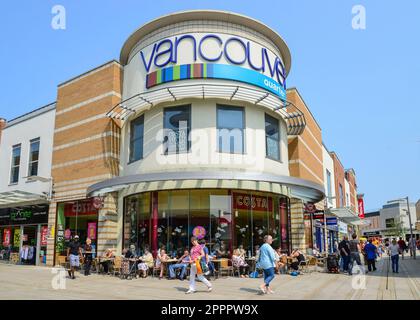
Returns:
(27, 282)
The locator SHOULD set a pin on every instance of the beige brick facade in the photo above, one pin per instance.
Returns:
(86, 146)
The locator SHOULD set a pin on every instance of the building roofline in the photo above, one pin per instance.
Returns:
(30, 115)
(205, 14)
(306, 105)
(336, 155)
(87, 72)
(350, 170)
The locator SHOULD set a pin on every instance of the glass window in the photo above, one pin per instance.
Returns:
(178, 228)
(272, 137)
(14, 175)
(33, 157)
(230, 129)
(390, 223)
(137, 221)
(329, 193)
(341, 198)
(177, 126)
(136, 138)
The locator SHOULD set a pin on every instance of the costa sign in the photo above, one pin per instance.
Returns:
(209, 52)
(246, 202)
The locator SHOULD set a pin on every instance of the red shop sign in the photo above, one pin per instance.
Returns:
(361, 208)
(243, 201)
(6, 237)
(44, 235)
(80, 207)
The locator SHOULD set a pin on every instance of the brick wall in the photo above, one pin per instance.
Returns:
(305, 150)
(86, 144)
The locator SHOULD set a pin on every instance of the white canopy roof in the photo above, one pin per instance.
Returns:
(18, 198)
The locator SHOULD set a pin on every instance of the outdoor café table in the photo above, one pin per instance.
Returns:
(167, 263)
(218, 261)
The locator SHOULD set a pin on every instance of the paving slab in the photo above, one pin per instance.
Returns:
(29, 282)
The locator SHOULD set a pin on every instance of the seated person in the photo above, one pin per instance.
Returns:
(281, 260)
(239, 262)
(146, 262)
(242, 252)
(221, 251)
(298, 255)
(106, 257)
(161, 258)
(182, 264)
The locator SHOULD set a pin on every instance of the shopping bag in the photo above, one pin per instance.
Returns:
(204, 267)
(253, 274)
(198, 265)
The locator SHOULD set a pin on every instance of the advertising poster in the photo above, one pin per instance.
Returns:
(199, 232)
(6, 237)
(60, 228)
(92, 230)
(44, 235)
(16, 238)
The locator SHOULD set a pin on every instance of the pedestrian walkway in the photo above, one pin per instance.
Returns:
(25, 282)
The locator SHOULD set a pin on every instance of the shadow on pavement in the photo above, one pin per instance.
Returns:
(256, 291)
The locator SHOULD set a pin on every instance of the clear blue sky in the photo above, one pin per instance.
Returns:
(362, 86)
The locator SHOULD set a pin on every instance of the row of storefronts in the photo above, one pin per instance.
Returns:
(192, 132)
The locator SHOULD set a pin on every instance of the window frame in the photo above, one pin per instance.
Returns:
(341, 194)
(189, 128)
(12, 166)
(329, 185)
(243, 129)
(31, 162)
(132, 140)
(266, 138)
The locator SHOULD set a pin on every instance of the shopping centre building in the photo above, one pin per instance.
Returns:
(192, 132)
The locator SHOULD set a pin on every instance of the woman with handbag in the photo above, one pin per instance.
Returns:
(196, 254)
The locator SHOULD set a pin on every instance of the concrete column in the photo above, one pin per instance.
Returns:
(52, 215)
(108, 224)
(38, 244)
(297, 224)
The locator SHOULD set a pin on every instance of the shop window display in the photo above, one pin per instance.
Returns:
(225, 218)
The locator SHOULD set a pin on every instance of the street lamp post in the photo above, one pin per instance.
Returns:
(411, 227)
(411, 230)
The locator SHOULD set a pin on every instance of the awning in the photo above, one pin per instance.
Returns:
(347, 215)
(19, 198)
(290, 186)
(294, 118)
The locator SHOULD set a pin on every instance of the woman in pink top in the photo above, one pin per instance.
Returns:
(197, 252)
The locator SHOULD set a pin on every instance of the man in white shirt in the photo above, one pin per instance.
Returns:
(394, 251)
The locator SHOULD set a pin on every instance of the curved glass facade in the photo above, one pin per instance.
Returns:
(225, 218)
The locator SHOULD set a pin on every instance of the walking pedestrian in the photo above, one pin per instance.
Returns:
(344, 250)
(402, 246)
(267, 262)
(355, 254)
(412, 246)
(371, 251)
(394, 251)
(87, 257)
(196, 254)
(74, 252)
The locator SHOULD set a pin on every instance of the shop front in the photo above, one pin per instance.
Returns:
(78, 217)
(226, 218)
(23, 234)
(204, 135)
